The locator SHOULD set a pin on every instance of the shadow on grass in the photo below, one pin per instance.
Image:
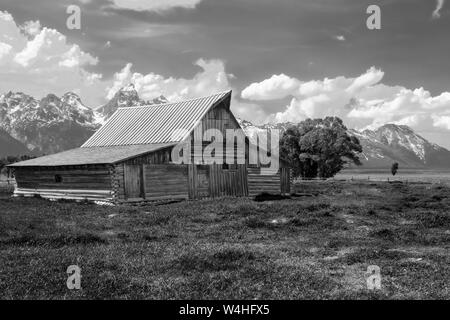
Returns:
(54, 241)
(269, 197)
(227, 259)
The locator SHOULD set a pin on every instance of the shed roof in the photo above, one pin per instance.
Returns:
(163, 123)
(92, 155)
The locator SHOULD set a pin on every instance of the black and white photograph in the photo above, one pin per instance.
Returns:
(225, 155)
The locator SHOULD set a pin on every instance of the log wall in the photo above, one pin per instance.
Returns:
(68, 182)
(81, 178)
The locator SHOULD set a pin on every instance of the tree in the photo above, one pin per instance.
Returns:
(394, 168)
(13, 159)
(319, 147)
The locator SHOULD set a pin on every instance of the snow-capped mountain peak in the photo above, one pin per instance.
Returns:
(124, 98)
(47, 125)
(73, 100)
(399, 143)
(128, 88)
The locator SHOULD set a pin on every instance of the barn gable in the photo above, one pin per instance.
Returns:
(163, 123)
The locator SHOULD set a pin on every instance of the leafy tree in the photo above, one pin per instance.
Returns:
(394, 168)
(319, 147)
(12, 159)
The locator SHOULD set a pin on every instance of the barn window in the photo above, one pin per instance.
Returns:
(58, 178)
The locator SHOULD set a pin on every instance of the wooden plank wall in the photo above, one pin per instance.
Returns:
(259, 183)
(158, 157)
(285, 177)
(219, 118)
(228, 182)
(133, 181)
(166, 181)
(221, 182)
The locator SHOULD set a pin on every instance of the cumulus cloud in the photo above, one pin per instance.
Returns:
(31, 28)
(276, 87)
(156, 5)
(40, 60)
(121, 79)
(441, 121)
(437, 12)
(211, 79)
(370, 78)
(4, 49)
(362, 101)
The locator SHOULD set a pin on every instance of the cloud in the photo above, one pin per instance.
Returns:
(437, 12)
(276, 87)
(362, 101)
(121, 79)
(370, 78)
(211, 79)
(31, 28)
(156, 5)
(39, 60)
(441, 121)
(4, 49)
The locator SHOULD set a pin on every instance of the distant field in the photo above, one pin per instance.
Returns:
(405, 175)
(317, 246)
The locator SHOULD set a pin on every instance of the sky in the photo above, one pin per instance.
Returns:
(285, 60)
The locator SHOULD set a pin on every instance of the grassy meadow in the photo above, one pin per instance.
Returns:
(316, 245)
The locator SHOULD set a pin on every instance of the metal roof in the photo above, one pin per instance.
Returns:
(92, 155)
(154, 124)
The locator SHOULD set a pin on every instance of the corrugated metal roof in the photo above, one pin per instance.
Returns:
(92, 155)
(153, 124)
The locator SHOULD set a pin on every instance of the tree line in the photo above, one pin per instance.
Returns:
(13, 159)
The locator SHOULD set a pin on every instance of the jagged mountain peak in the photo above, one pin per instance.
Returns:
(52, 123)
(74, 100)
(159, 100)
(128, 88)
(48, 125)
(399, 143)
(71, 96)
(127, 96)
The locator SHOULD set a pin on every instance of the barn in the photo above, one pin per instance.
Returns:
(129, 159)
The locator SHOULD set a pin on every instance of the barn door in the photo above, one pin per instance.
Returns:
(133, 181)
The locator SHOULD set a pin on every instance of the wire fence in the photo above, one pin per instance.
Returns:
(416, 179)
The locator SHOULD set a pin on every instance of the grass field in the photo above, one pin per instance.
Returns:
(316, 246)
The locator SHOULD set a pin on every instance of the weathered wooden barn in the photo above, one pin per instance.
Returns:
(130, 159)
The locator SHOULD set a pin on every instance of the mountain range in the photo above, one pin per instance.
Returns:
(382, 147)
(53, 124)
